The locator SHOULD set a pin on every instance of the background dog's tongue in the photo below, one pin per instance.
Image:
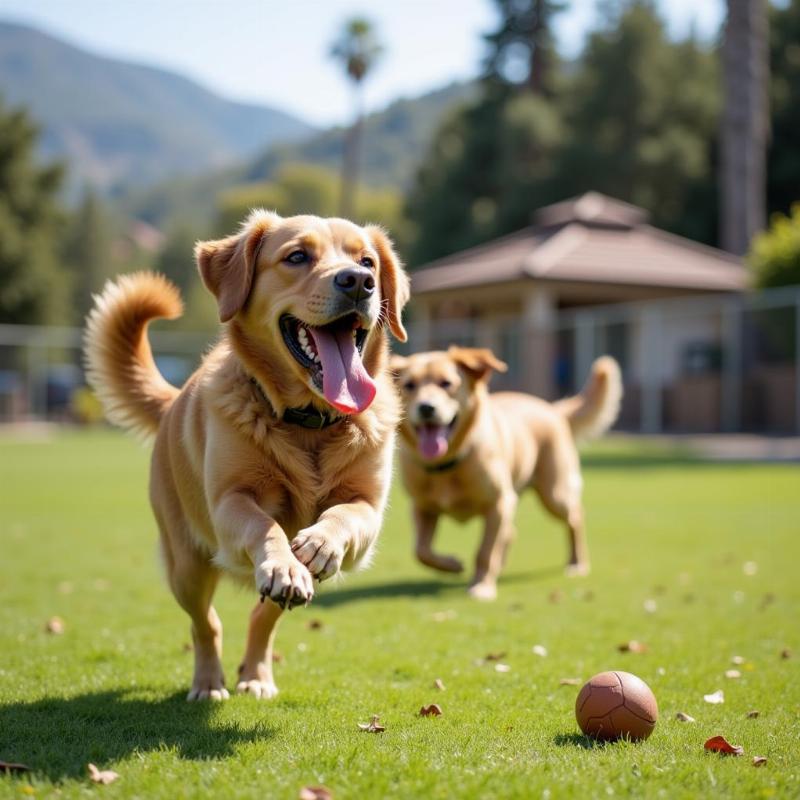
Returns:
(432, 441)
(345, 383)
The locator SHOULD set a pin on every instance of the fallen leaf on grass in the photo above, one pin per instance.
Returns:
(753, 714)
(439, 684)
(104, 776)
(632, 647)
(539, 650)
(555, 597)
(733, 674)
(314, 624)
(277, 658)
(718, 744)
(8, 766)
(55, 625)
(569, 682)
(786, 653)
(715, 698)
(738, 660)
(588, 596)
(433, 710)
(373, 726)
(315, 793)
(502, 668)
(681, 717)
(494, 656)
(759, 761)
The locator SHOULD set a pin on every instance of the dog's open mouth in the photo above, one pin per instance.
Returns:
(433, 440)
(332, 355)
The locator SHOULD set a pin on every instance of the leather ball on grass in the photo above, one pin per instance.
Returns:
(616, 705)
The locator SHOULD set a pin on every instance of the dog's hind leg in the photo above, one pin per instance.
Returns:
(255, 671)
(559, 489)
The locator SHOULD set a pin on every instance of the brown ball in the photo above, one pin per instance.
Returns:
(615, 705)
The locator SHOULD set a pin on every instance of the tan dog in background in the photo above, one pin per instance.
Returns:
(273, 462)
(466, 453)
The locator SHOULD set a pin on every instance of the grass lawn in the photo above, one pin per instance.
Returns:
(666, 534)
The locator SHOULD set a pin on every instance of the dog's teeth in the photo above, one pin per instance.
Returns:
(302, 335)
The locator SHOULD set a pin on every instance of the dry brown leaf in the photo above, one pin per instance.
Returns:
(718, 744)
(315, 793)
(277, 658)
(732, 674)
(9, 766)
(314, 624)
(569, 682)
(494, 656)
(373, 726)
(681, 717)
(753, 714)
(715, 698)
(759, 761)
(55, 625)
(786, 653)
(433, 710)
(104, 776)
(632, 647)
(555, 597)
(187, 647)
(439, 684)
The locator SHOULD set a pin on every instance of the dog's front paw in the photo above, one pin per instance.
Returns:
(321, 553)
(285, 581)
(483, 590)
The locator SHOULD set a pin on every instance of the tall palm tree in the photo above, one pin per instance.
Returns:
(744, 125)
(358, 50)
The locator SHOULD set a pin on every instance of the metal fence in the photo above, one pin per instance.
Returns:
(698, 364)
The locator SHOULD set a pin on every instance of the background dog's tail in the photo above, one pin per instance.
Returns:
(592, 412)
(119, 362)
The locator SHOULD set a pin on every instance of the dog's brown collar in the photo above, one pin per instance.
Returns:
(308, 417)
(444, 465)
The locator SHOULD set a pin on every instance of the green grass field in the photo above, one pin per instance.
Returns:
(78, 541)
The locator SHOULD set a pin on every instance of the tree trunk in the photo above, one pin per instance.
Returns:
(744, 124)
(350, 159)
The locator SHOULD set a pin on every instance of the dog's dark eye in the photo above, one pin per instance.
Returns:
(409, 386)
(366, 261)
(296, 257)
(445, 384)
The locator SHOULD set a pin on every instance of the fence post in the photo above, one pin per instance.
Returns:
(651, 405)
(730, 399)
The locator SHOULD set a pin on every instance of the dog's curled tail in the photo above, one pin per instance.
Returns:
(119, 362)
(592, 412)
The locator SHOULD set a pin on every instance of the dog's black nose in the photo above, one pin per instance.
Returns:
(426, 410)
(357, 283)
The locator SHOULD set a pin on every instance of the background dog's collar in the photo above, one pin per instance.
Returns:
(308, 417)
(444, 466)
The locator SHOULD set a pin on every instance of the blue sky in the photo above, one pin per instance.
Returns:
(275, 51)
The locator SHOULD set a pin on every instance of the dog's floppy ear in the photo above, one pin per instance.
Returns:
(397, 364)
(227, 265)
(395, 286)
(477, 362)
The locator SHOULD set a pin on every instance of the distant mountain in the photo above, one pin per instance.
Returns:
(394, 140)
(122, 124)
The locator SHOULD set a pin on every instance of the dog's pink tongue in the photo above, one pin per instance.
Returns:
(432, 441)
(346, 385)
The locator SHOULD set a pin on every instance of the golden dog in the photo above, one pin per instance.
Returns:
(273, 462)
(465, 452)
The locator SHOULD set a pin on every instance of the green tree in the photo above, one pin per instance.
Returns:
(522, 49)
(33, 288)
(176, 259)
(775, 254)
(86, 251)
(783, 171)
(358, 50)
